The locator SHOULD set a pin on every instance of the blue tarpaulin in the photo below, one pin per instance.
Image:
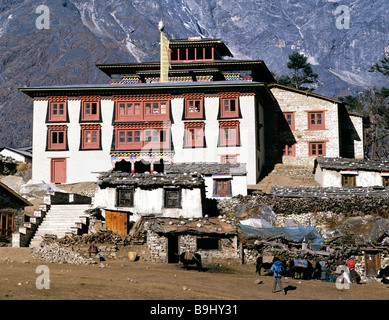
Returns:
(294, 234)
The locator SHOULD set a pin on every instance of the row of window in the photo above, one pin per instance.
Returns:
(137, 138)
(172, 197)
(349, 181)
(316, 120)
(143, 110)
(315, 149)
(57, 137)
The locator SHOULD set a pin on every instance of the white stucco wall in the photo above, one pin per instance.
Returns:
(238, 186)
(148, 202)
(82, 165)
(246, 151)
(332, 178)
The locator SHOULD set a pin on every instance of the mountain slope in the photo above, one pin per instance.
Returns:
(87, 32)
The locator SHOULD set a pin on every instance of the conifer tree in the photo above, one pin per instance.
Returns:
(301, 73)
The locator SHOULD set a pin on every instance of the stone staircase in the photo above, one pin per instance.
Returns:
(285, 175)
(61, 219)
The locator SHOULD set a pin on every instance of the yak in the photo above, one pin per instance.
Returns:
(187, 258)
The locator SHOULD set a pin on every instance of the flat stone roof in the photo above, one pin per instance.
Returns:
(352, 164)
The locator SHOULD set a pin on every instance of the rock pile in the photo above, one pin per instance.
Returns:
(54, 253)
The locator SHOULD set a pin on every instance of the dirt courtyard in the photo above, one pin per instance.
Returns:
(121, 279)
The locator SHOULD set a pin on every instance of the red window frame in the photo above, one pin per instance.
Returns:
(316, 120)
(194, 134)
(222, 187)
(142, 135)
(229, 133)
(288, 149)
(192, 54)
(156, 110)
(156, 138)
(229, 158)
(90, 110)
(317, 149)
(57, 137)
(90, 137)
(194, 106)
(57, 111)
(129, 110)
(289, 118)
(229, 104)
(130, 139)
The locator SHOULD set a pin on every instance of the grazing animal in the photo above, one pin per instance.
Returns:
(384, 273)
(187, 258)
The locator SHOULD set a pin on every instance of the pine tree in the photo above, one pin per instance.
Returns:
(301, 73)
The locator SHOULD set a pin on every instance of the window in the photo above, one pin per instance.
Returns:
(193, 106)
(191, 54)
(229, 133)
(316, 120)
(317, 149)
(156, 138)
(129, 139)
(136, 139)
(125, 197)
(155, 110)
(57, 111)
(205, 243)
(90, 111)
(172, 198)
(287, 121)
(129, 111)
(133, 108)
(222, 187)
(348, 180)
(194, 134)
(229, 108)
(229, 158)
(288, 149)
(385, 181)
(57, 137)
(90, 136)
(194, 109)
(6, 223)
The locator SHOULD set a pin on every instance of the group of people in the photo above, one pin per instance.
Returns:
(277, 268)
(350, 264)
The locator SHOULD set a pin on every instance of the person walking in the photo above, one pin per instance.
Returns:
(277, 268)
(351, 267)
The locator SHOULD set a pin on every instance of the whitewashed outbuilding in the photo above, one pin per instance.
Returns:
(344, 172)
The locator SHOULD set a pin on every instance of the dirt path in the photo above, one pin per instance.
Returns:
(140, 280)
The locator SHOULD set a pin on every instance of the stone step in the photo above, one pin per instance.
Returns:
(61, 220)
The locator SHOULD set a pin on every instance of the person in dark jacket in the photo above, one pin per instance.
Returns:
(277, 268)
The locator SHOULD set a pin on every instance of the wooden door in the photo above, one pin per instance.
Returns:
(58, 170)
(373, 263)
(116, 221)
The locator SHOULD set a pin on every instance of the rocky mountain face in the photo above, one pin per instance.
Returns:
(83, 33)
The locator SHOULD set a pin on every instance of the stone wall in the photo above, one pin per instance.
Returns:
(283, 205)
(158, 246)
(300, 104)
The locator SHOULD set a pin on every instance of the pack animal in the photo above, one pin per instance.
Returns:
(188, 258)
